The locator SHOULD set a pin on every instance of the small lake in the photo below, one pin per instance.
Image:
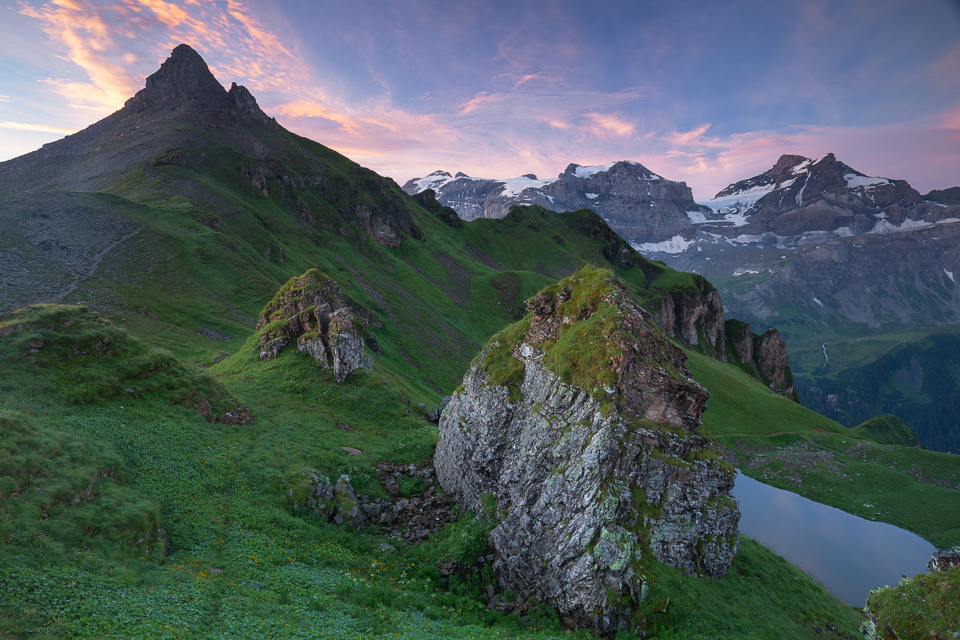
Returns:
(846, 554)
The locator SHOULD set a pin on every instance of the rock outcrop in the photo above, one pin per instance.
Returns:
(944, 560)
(770, 352)
(691, 312)
(312, 310)
(580, 423)
(765, 356)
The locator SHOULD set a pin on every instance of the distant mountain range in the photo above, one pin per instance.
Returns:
(811, 226)
(642, 207)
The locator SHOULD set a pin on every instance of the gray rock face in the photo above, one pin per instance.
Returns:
(638, 204)
(591, 480)
(311, 310)
(314, 495)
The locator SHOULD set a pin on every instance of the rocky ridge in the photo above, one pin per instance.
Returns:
(581, 424)
(804, 201)
(639, 205)
(821, 234)
(312, 310)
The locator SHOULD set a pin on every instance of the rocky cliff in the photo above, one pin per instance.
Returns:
(580, 422)
(311, 310)
(693, 312)
(764, 356)
(639, 205)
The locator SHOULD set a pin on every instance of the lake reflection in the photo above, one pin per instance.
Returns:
(846, 554)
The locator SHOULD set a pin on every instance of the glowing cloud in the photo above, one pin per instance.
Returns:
(22, 126)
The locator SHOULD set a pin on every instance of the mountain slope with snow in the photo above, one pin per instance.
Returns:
(643, 207)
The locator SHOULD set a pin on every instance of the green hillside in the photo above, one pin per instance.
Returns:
(134, 515)
(888, 429)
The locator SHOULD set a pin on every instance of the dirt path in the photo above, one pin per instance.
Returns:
(96, 263)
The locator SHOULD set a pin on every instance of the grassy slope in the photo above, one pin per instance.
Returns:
(848, 471)
(888, 429)
(240, 564)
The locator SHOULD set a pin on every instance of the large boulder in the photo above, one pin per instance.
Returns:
(580, 422)
(312, 310)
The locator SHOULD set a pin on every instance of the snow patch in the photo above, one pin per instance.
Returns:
(743, 272)
(854, 181)
(586, 172)
(818, 302)
(434, 181)
(516, 186)
(950, 275)
(676, 244)
(884, 226)
(744, 198)
(746, 239)
(592, 196)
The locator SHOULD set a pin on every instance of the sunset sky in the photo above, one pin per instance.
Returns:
(705, 92)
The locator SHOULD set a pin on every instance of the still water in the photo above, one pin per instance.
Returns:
(846, 554)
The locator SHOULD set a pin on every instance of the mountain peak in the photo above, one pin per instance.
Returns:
(184, 76)
(787, 161)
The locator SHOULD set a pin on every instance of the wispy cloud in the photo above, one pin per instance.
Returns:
(527, 106)
(86, 35)
(23, 126)
(609, 125)
(116, 42)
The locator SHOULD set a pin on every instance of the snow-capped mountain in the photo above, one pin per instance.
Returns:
(802, 201)
(817, 239)
(643, 207)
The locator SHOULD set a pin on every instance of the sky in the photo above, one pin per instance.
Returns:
(701, 91)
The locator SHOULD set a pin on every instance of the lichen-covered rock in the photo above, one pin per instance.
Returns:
(312, 310)
(581, 421)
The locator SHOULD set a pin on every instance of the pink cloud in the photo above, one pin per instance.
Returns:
(528, 121)
(23, 126)
(609, 124)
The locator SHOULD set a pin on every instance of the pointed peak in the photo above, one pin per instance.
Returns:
(184, 76)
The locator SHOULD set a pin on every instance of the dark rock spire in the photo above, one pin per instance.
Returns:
(183, 77)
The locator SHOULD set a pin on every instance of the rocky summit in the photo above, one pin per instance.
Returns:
(311, 310)
(638, 204)
(580, 424)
